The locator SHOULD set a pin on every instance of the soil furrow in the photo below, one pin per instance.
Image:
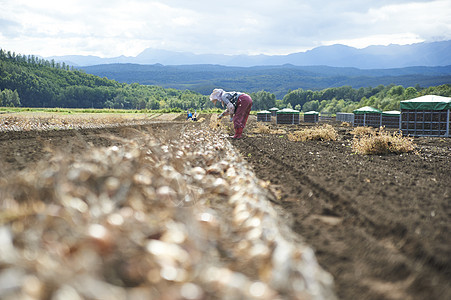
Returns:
(375, 221)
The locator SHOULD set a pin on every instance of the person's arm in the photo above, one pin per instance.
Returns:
(230, 107)
(229, 111)
(224, 113)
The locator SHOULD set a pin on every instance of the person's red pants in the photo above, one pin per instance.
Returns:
(243, 108)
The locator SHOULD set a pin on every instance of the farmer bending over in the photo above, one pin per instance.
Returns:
(238, 107)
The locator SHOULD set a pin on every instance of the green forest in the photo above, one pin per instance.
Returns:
(42, 83)
(29, 81)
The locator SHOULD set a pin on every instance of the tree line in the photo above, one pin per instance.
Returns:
(30, 81)
(347, 99)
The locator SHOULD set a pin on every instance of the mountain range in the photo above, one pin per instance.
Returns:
(380, 57)
(275, 79)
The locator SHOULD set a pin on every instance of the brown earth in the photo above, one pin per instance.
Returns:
(379, 224)
(22, 149)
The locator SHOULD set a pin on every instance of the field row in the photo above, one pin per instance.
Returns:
(168, 210)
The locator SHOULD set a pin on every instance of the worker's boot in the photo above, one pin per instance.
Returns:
(238, 133)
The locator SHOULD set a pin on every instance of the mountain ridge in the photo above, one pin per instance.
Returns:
(371, 57)
(275, 79)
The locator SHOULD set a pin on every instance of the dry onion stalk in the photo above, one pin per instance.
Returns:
(152, 218)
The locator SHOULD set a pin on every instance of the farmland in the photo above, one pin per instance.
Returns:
(186, 213)
(379, 224)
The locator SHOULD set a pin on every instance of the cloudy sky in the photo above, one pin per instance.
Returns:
(109, 28)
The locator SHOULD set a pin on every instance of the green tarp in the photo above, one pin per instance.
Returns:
(367, 110)
(287, 111)
(428, 102)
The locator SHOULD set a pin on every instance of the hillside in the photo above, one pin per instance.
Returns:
(42, 83)
(275, 79)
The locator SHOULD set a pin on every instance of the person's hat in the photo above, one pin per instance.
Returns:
(216, 94)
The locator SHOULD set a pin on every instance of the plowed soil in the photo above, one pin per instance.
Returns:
(379, 224)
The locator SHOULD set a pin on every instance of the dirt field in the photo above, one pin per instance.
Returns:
(379, 224)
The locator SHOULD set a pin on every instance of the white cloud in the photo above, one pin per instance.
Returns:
(119, 27)
(382, 39)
